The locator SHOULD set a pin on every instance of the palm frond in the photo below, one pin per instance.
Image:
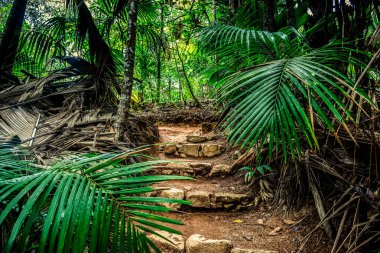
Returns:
(100, 52)
(81, 203)
(41, 46)
(281, 88)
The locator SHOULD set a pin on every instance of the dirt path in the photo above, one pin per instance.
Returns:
(248, 226)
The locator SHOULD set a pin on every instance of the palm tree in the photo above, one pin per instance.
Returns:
(126, 89)
(40, 43)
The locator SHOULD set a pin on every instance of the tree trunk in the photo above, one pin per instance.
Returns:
(11, 35)
(269, 11)
(214, 11)
(126, 89)
(158, 87)
(291, 13)
(170, 88)
(180, 93)
(233, 6)
(187, 79)
(214, 22)
(159, 63)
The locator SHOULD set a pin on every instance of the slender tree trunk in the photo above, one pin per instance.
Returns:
(180, 93)
(269, 11)
(291, 13)
(158, 86)
(151, 92)
(159, 63)
(170, 88)
(187, 79)
(126, 89)
(214, 22)
(11, 35)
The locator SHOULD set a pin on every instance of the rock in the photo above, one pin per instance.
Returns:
(190, 149)
(227, 200)
(196, 138)
(167, 172)
(220, 170)
(173, 193)
(200, 165)
(206, 127)
(170, 149)
(188, 188)
(201, 169)
(199, 198)
(275, 231)
(238, 250)
(177, 245)
(182, 155)
(211, 150)
(199, 244)
(230, 197)
(260, 221)
(288, 222)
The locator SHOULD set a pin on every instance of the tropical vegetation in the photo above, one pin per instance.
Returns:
(295, 82)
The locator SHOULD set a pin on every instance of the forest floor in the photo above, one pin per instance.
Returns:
(257, 226)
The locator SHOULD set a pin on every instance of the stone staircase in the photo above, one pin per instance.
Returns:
(208, 159)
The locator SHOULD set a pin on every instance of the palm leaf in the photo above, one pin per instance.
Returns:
(80, 203)
(275, 98)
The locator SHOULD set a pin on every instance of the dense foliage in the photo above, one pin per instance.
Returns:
(296, 81)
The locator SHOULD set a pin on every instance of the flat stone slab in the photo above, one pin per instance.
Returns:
(218, 200)
(220, 170)
(196, 138)
(201, 169)
(198, 244)
(190, 149)
(199, 199)
(193, 149)
(184, 169)
(172, 193)
(211, 150)
(170, 149)
(224, 200)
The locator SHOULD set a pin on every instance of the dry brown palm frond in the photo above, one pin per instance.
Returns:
(73, 129)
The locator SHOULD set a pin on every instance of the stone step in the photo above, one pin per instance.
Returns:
(202, 138)
(194, 169)
(194, 150)
(197, 244)
(206, 199)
